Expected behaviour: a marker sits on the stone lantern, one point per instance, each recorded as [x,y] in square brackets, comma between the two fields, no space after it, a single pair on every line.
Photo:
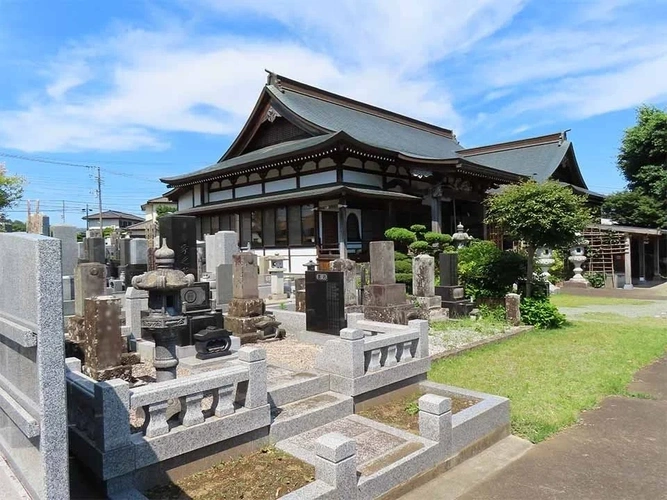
[544,259]
[277,272]
[165,309]
[461,237]
[578,257]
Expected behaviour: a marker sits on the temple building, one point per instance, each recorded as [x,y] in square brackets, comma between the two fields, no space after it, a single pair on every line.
[314,175]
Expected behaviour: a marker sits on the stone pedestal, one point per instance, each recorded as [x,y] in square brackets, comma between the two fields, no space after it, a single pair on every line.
[135,302]
[102,341]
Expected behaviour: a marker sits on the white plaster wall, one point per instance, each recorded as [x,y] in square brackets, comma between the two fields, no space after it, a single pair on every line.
[319,178]
[362,178]
[220,195]
[280,185]
[197,189]
[251,190]
[185,200]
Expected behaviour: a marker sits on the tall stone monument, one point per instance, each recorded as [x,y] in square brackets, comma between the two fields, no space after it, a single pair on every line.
[246,309]
[89,281]
[423,282]
[103,344]
[347,267]
[384,299]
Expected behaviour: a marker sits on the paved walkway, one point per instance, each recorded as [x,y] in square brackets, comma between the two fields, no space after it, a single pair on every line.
[617,451]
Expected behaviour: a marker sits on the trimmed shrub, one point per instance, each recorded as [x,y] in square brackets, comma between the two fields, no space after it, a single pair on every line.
[406,279]
[401,256]
[418,228]
[595,279]
[437,238]
[400,235]
[541,314]
[403,266]
[419,247]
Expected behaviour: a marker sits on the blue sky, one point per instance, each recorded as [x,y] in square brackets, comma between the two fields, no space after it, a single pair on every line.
[153,88]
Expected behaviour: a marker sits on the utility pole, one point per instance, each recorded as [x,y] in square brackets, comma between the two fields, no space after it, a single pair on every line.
[99,198]
[63,217]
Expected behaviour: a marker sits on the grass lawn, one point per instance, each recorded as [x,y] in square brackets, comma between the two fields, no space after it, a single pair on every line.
[550,376]
[564,300]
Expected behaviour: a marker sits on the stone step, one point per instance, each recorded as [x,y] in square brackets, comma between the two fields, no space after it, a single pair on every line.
[306,414]
[289,387]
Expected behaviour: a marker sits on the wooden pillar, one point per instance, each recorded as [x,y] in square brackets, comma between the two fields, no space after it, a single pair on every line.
[656,258]
[342,229]
[642,260]
[436,215]
[628,263]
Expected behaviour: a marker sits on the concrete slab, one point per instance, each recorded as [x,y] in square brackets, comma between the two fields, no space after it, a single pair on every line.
[10,487]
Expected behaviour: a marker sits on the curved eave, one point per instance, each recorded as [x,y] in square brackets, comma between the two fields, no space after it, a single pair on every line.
[478,170]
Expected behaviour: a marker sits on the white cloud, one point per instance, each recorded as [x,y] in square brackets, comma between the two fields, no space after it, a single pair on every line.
[124,90]
[456,64]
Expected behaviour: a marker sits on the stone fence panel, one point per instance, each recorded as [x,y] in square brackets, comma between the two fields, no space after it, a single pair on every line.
[33,412]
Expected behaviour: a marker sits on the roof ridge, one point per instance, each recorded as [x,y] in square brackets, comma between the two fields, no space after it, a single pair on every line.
[283,83]
[560,137]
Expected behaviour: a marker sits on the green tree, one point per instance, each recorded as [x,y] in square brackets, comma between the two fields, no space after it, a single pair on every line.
[162,210]
[644,145]
[643,161]
[634,208]
[18,226]
[540,214]
[11,189]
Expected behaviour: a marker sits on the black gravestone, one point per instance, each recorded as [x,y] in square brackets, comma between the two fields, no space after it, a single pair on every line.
[325,302]
[196,298]
[132,270]
[181,234]
[449,273]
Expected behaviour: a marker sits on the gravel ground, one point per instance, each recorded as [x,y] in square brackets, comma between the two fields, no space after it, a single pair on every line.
[290,352]
[656,308]
[440,341]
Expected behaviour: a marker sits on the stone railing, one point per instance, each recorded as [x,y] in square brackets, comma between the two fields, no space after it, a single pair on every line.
[369,355]
[212,407]
[154,398]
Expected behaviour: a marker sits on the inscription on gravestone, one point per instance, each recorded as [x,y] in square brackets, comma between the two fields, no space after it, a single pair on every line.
[325,302]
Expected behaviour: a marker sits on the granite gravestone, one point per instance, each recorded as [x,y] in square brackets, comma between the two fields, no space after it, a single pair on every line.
[180,232]
[325,301]
[33,413]
[384,299]
[67,236]
[89,281]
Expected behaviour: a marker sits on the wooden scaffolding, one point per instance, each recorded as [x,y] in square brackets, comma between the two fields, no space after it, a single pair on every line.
[604,246]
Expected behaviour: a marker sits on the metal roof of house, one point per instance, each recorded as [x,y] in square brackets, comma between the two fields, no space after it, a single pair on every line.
[114,214]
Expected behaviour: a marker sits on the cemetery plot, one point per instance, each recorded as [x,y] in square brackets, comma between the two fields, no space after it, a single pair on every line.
[268,473]
[403,412]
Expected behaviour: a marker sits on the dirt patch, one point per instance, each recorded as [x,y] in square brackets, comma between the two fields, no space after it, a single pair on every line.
[262,475]
[403,413]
